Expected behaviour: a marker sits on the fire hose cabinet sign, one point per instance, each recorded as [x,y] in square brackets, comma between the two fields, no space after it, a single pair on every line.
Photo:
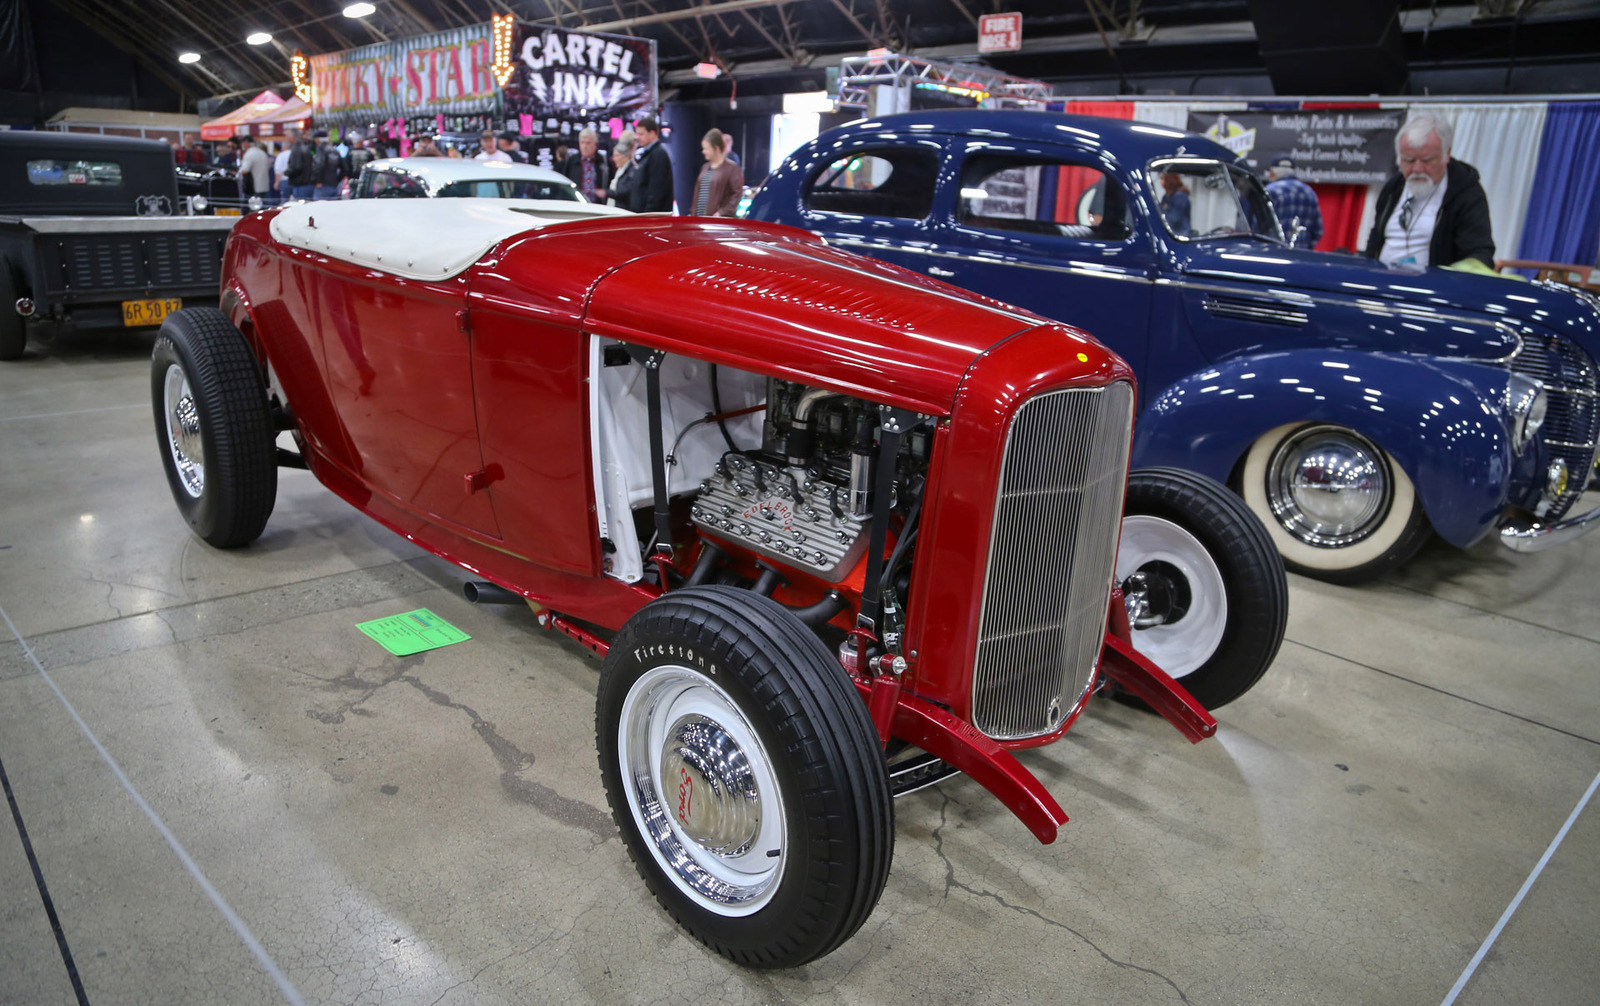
[1000,32]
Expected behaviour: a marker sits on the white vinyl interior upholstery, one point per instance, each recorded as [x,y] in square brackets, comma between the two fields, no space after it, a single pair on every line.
[425,239]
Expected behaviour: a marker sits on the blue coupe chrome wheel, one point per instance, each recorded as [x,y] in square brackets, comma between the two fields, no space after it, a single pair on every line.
[1336,504]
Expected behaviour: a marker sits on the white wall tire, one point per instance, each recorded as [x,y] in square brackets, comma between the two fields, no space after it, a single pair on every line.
[1349,544]
[744,775]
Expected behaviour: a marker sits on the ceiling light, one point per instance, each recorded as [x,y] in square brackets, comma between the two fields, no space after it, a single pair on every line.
[259,38]
[189,57]
[359,10]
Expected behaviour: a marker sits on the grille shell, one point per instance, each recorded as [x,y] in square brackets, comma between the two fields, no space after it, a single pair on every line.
[1043,613]
[1571,429]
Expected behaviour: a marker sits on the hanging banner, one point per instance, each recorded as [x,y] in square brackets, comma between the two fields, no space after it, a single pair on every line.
[1352,147]
[448,72]
[566,81]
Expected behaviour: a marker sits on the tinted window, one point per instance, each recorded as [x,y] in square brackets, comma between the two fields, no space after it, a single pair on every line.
[53,172]
[891,182]
[506,188]
[1043,197]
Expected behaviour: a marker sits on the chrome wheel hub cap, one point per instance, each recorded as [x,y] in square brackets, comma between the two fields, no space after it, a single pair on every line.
[183,431]
[702,790]
[1328,486]
[717,802]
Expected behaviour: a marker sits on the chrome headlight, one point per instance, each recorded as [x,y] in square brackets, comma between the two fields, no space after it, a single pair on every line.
[199,203]
[1526,403]
[254,202]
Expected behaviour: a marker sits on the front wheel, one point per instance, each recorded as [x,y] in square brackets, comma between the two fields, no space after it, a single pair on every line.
[745,776]
[1337,505]
[214,427]
[1205,589]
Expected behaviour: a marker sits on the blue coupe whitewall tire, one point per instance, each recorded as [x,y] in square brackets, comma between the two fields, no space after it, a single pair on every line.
[1337,506]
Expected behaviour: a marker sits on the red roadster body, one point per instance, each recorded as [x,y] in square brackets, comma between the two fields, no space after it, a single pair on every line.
[763,476]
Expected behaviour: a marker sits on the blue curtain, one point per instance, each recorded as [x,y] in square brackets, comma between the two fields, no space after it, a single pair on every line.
[1563,222]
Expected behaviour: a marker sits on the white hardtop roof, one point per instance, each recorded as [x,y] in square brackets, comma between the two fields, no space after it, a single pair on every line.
[426,239]
[437,172]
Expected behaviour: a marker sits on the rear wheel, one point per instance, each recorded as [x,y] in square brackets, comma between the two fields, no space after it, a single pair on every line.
[1337,505]
[214,427]
[745,776]
[1205,589]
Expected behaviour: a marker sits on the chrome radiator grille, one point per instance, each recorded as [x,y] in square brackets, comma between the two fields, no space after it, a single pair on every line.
[1571,429]
[1051,556]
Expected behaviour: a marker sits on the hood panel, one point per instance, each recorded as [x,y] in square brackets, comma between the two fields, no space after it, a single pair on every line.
[1441,295]
[800,310]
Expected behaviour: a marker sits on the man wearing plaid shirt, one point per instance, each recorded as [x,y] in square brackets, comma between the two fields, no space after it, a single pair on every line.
[1295,204]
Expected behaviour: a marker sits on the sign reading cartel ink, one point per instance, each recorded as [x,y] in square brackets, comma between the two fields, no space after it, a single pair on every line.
[1347,146]
[581,76]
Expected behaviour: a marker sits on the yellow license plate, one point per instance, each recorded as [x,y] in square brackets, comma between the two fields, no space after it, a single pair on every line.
[228,212]
[148,312]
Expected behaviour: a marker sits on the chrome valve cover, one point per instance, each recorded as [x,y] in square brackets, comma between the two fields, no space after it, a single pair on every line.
[791,515]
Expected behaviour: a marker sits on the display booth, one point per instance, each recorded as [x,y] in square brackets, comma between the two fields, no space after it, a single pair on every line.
[232,124]
[1534,156]
[567,81]
[443,83]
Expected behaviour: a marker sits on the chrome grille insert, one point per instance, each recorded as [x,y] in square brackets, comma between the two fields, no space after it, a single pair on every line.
[1051,555]
[1571,429]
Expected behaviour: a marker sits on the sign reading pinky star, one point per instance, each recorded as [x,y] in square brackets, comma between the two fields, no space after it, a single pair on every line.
[412,632]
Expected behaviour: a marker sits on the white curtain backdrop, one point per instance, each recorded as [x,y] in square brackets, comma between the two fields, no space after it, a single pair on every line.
[1502,142]
[1174,114]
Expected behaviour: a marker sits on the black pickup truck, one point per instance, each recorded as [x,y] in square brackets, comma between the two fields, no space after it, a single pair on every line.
[92,234]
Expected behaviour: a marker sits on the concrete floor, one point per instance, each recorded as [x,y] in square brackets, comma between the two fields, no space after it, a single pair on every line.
[432,829]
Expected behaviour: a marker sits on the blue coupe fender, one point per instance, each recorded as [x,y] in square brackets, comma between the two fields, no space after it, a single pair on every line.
[1442,421]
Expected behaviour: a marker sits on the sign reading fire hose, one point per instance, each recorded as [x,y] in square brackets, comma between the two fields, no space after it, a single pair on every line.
[1000,32]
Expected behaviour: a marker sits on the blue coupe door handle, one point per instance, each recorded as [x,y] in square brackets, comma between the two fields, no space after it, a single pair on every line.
[934,270]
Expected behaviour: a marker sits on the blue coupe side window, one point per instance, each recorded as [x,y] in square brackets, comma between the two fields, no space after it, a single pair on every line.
[887,182]
[1047,198]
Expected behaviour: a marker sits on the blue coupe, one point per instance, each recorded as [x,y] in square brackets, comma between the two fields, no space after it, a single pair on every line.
[1355,407]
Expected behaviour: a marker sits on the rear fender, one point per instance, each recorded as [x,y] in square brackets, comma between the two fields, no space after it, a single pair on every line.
[1443,422]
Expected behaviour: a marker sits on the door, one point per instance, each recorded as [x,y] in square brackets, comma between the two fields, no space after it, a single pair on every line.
[399,371]
[1053,233]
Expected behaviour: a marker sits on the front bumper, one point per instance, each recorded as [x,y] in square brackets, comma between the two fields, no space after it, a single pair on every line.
[1525,534]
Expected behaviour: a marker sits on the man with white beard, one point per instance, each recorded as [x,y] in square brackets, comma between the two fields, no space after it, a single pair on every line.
[1433,211]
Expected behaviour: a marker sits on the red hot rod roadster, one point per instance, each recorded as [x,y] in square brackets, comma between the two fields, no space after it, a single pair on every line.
[839,530]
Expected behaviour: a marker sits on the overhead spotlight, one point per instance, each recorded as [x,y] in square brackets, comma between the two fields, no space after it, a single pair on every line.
[359,10]
[259,38]
[189,57]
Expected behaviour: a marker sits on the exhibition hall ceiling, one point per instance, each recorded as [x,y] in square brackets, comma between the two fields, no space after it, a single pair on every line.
[1124,42]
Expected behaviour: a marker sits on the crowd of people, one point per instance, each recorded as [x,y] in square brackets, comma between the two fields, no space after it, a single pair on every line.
[635,175]
[1432,211]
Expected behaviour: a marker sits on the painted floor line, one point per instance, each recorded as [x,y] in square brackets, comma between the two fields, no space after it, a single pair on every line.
[73,412]
[1511,909]
[243,931]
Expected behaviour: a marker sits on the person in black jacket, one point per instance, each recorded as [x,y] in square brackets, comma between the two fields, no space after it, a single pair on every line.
[1433,211]
[298,170]
[327,169]
[652,193]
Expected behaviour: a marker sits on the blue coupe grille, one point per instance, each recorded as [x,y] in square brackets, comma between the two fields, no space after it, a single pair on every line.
[1571,428]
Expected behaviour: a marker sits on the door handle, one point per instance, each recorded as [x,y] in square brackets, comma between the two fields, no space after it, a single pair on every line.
[941,273]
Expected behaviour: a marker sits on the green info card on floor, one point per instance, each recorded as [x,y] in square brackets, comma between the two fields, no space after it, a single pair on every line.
[412,632]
